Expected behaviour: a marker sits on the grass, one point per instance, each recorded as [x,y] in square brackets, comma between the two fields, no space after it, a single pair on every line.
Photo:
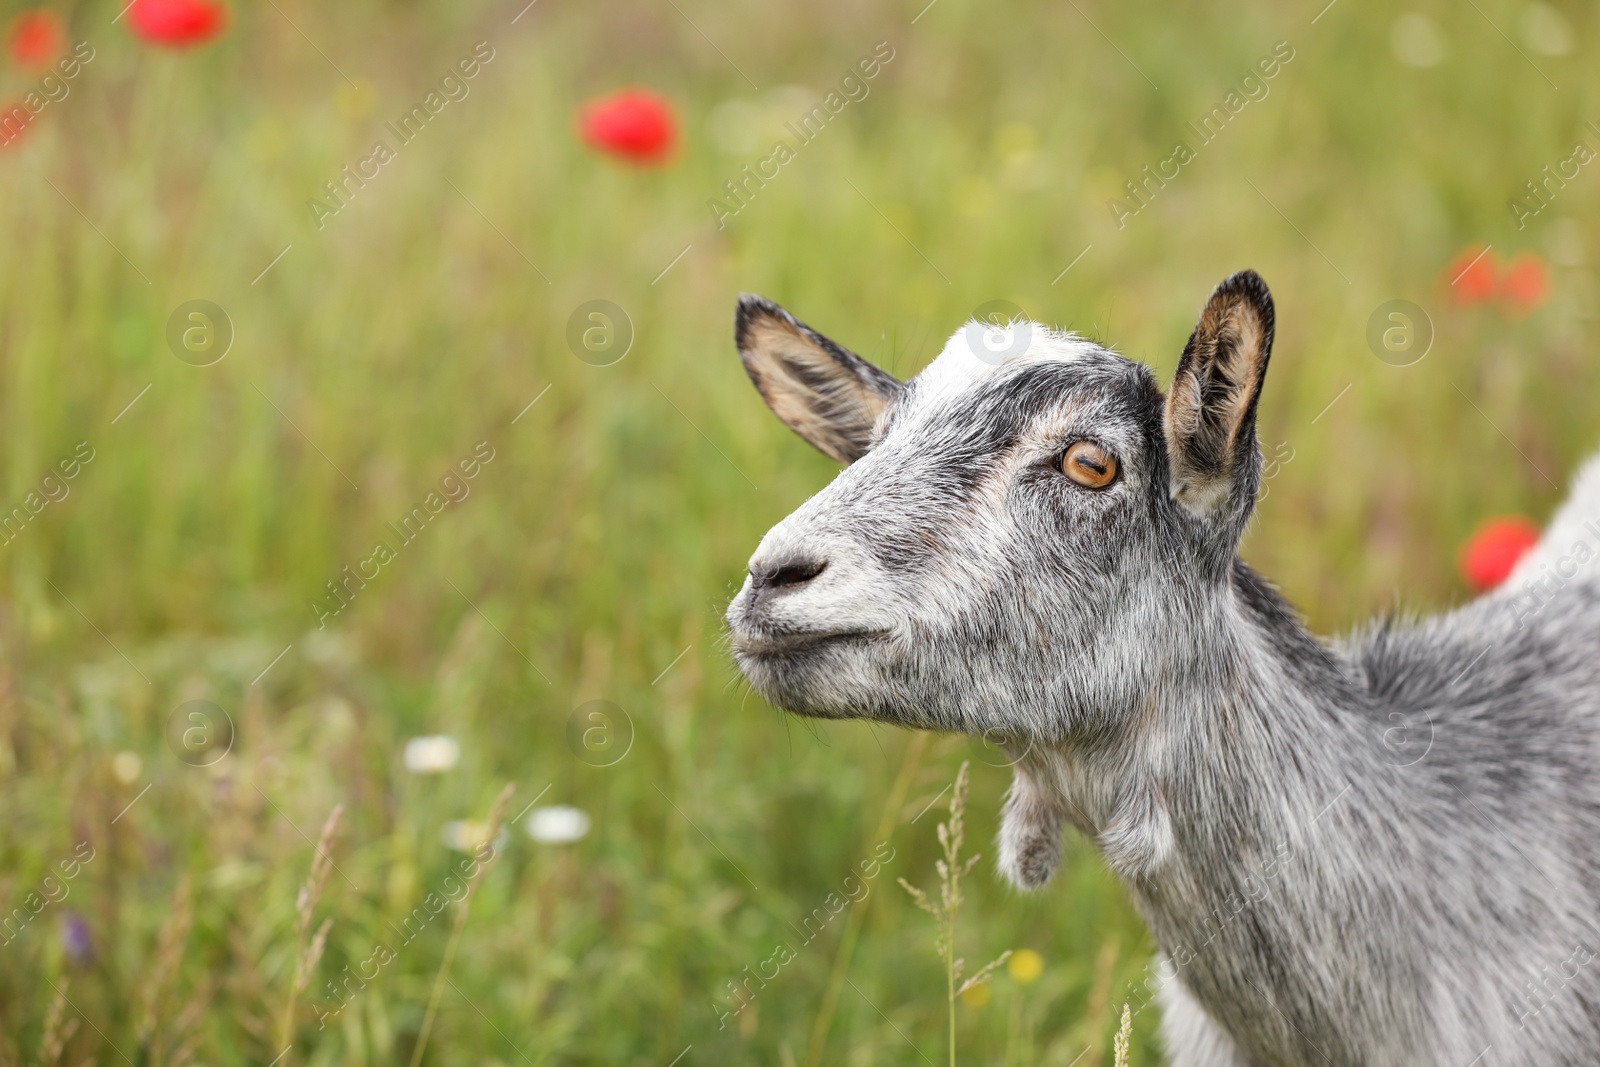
[593,553]
[953,869]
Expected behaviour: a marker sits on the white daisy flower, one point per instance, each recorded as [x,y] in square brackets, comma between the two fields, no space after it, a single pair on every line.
[432,755]
[559,824]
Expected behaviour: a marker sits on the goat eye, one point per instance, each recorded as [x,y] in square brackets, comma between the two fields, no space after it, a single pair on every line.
[1089,465]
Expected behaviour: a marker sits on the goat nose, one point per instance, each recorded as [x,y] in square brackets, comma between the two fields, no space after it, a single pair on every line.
[766,577]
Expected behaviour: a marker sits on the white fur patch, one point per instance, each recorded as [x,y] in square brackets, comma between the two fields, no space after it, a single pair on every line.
[980,349]
[1571,539]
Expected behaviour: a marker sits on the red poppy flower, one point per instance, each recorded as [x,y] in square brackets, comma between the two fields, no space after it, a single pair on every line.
[178,23]
[633,124]
[37,38]
[1526,283]
[1470,276]
[1493,550]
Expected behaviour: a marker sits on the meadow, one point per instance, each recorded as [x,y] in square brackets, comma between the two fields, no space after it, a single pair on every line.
[182,707]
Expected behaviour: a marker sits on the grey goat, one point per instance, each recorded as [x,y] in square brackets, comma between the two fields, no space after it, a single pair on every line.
[1381,851]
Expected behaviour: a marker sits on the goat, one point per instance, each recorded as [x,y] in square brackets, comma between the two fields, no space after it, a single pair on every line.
[1379,851]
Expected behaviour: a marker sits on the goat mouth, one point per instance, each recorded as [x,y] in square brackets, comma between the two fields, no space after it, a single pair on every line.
[778,644]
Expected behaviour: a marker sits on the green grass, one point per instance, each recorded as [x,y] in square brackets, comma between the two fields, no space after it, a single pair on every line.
[612,525]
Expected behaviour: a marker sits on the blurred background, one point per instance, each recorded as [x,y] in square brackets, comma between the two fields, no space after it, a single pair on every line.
[375,439]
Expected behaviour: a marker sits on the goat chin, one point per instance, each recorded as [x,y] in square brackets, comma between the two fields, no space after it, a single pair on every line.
[839,674]
[812,681]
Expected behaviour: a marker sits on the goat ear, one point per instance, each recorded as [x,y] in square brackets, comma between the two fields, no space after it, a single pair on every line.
[1211,410]
[822,391]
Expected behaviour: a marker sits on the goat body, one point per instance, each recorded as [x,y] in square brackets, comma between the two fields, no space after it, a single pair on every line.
[1379,852]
